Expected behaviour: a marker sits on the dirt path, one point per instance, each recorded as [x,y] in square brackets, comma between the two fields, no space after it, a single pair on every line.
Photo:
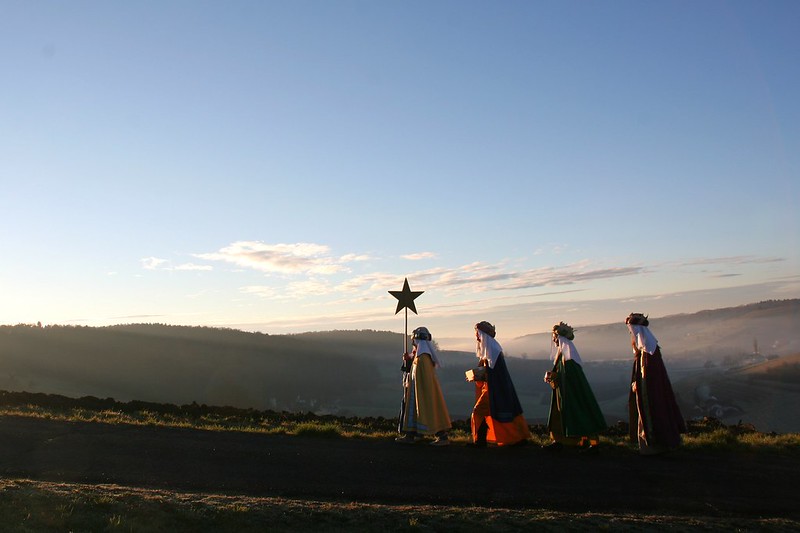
[691,483]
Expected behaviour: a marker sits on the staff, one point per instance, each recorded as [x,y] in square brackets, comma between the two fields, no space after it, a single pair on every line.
[405,300]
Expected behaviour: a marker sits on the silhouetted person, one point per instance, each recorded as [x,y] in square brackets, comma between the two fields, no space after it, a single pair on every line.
[425,410]
[656,422]
[497,414]
[575,417]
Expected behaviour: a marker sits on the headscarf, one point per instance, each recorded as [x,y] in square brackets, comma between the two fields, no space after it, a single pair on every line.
[488,349]
[645,340]
[421,338]
[427,347]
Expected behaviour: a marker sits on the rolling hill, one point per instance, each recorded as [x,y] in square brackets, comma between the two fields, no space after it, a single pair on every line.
[774,326]
[357,372]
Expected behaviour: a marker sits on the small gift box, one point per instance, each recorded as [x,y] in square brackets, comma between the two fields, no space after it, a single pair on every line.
[476,374]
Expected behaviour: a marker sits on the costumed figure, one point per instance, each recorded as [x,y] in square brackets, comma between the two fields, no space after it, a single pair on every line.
[656,422]
[425,411]
[497,414]
[575,418]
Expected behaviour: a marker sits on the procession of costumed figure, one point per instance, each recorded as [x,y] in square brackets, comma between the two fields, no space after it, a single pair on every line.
[425,412]
[575,418]
[497,414]
[656,422]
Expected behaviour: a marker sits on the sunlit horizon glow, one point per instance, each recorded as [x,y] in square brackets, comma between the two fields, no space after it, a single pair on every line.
[278,167]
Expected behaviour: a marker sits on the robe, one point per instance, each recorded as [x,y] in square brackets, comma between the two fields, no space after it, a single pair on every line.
[655,420]
[574,411]
[497,404]
[426,411]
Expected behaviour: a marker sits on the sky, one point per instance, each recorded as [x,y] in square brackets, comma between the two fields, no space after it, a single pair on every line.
[280,166]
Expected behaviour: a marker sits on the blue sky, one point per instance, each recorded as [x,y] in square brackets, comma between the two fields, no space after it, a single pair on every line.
[280,166]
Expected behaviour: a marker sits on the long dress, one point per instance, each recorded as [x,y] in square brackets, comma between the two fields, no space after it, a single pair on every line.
[426,411]
[574,411]
[497,405]
[655,420]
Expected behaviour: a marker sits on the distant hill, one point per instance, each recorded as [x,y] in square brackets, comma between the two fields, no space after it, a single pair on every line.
[358,372]
[159,363]
[770,327]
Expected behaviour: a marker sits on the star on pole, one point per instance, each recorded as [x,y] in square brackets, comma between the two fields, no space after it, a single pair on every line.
[405,298]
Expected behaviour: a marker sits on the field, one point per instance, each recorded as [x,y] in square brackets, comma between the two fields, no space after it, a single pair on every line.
[98,465]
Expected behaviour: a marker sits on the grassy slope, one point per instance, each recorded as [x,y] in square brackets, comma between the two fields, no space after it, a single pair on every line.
[28,505]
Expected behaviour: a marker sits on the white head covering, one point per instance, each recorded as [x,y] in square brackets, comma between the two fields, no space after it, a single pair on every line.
[645,340]
[424,346]
[568,350]
[488,348]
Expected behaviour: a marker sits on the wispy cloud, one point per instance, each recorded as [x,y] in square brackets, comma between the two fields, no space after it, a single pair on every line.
[419,256]
[480,277]
[730,260]
[352,258]
[156,263]
[152,263]
[474,278]
[316,266]
[298,258]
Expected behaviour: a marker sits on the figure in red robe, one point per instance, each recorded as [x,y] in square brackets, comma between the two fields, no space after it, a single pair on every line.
[656,422]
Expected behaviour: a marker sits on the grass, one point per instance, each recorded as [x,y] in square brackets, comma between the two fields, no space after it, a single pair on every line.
[707,434]
[34,506]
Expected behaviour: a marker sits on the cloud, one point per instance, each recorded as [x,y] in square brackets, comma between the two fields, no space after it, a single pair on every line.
[481,277]
[731,260]
[485,281]
[352,258]
[152,263]
[298,258]
[371,282]
[419,256]
[474,278]
[155,263]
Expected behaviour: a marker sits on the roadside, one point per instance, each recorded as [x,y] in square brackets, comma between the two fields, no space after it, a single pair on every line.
[687,483]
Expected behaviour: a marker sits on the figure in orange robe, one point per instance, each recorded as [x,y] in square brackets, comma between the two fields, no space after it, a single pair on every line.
[497,414]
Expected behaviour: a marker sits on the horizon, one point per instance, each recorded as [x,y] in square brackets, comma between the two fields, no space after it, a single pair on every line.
[278,168]
[446,344]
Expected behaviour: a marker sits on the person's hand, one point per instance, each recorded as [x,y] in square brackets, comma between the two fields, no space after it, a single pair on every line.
[633,387]
[408,356]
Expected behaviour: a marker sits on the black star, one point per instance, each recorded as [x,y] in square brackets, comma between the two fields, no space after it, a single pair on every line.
[405,298]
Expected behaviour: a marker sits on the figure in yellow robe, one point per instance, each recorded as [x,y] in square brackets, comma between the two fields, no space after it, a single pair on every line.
[425,411]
